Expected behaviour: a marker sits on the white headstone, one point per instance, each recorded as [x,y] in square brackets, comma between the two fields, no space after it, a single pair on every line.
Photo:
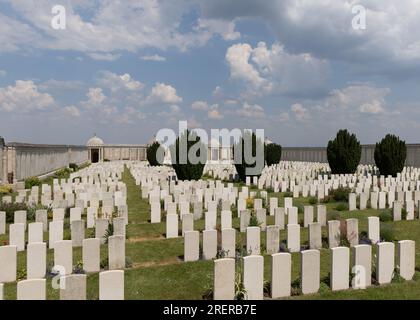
[36,260]
[308,215]
[116,252]
[281,275]
[253,277]
[224,279]
[111,285]
[35,232]
[17,236]
[55,232]
[310,271]
[273,239]
[77,232]
[2,222]
[8,265]
[352,231]
[385,262]
[253,240]
[407,259]
[315,236]
[293,237]
[361,266]
[334,235]
[322,215]
[191,246]
[340,261]
[373,229]
[209,244]
[171,226]
[229,242]
[91,254]
[33,289]
[279,218]
[74,287]
[63,255]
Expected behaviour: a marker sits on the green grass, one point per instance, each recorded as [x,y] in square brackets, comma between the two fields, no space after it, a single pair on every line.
[158,271]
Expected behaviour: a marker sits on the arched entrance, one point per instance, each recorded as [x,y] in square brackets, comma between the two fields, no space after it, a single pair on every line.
[94,155]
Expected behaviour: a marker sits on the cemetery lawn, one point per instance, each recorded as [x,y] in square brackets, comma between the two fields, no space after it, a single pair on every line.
[156,269]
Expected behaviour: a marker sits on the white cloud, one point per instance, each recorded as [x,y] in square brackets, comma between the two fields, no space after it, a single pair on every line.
[200,105]
[324,28]
[251,111]
[116,82]
[95,98]
[272,70]
[225,28]
[24,96]
[108,27]
[214,112]
[155,57]
[163,93]
[375,107]
[283,117]
[72,111]
[362,97]
[238,57]
[3,73]
[301,113]
[58,85]
[104,56]
[130,115]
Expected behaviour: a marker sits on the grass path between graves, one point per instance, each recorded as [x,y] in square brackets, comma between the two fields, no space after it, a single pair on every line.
[158,271]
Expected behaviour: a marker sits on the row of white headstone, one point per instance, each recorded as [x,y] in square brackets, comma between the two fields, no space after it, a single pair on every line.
[281,265]
[36,257]
[253,238]
[35,230]
[72,287]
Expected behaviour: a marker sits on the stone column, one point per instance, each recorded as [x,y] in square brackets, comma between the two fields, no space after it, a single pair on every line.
[5,165]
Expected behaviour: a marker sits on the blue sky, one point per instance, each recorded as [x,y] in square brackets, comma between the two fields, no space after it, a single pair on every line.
[125,69]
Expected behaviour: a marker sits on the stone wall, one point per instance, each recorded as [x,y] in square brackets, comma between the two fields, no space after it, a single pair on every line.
[319,154]
[27,160]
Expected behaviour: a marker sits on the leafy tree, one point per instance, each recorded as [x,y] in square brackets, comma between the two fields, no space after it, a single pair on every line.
[189,156]
[249,145]
[344,153]
[272,153]
[390,155]
[151,154]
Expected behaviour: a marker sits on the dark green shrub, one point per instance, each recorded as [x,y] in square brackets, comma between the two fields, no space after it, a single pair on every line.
[32,182]
[387,233]
[333,215]
[404,214]
[390,155]
[188,170]
[74,167]
[288,194]
[10,209]
[313,200]
[252,145]
[62,173]
[253,221]
[151,154]
[344,153]
[272,154]
[326,199]
[109,232]
[340,194]
[342,207]
[385,216]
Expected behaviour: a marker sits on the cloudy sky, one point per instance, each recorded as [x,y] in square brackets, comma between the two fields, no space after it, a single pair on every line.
[125,69]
